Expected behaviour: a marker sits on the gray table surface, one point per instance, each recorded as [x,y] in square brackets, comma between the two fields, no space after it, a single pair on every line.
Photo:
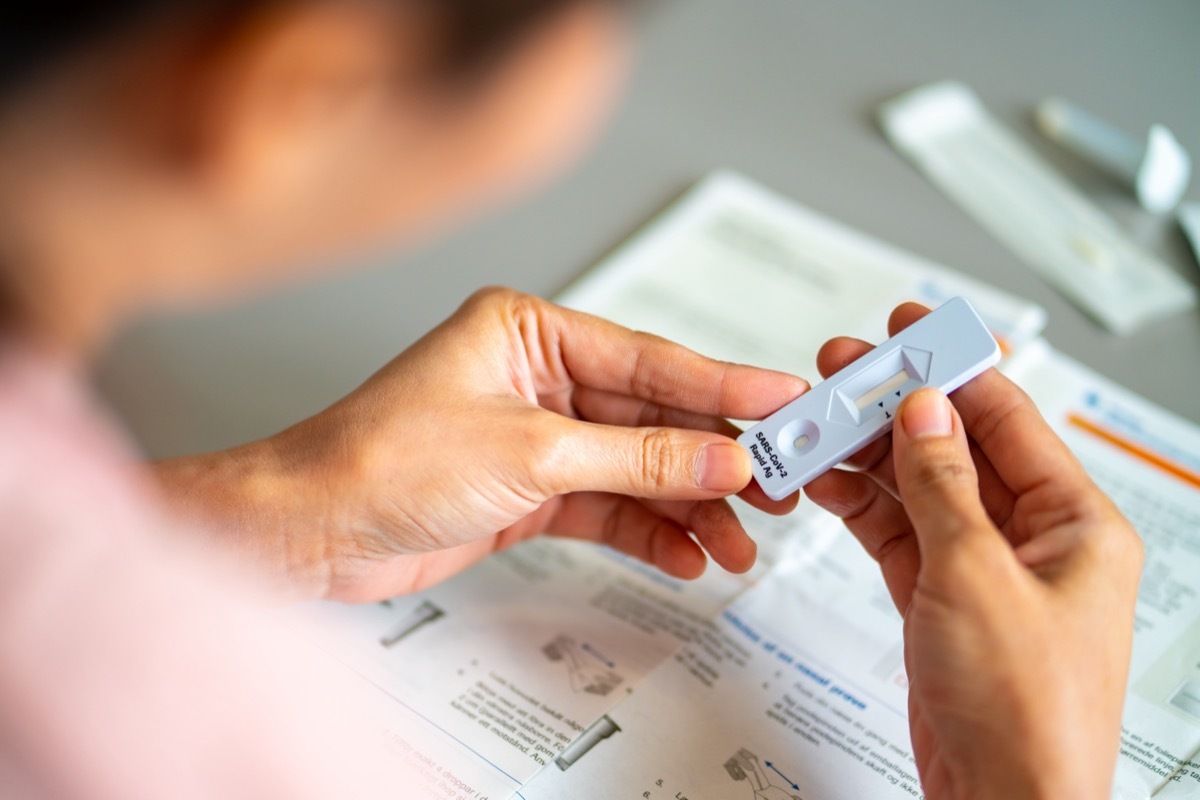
[783,90]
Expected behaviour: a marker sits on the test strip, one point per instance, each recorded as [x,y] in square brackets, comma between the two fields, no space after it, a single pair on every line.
[1007,188]
[841,415]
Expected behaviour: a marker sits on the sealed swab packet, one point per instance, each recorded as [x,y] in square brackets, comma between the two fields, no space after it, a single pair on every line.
[1156,167]
[945,130]
[1189,220]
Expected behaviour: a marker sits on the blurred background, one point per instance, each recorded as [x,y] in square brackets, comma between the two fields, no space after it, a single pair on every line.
[782,90]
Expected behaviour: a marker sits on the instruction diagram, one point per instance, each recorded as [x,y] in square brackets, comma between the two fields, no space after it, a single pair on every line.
[420,616]
[600,730]
[588,670]
[745,766]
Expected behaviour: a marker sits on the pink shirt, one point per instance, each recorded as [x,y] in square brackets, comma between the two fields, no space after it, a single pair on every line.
[132,665]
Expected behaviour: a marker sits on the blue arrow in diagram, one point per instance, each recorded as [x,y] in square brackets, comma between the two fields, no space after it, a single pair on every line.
[772,767]
[593,652]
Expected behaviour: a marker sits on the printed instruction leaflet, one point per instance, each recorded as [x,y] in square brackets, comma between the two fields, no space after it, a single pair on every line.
[561,669]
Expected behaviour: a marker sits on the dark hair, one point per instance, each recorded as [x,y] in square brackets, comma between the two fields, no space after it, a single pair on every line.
[35,34]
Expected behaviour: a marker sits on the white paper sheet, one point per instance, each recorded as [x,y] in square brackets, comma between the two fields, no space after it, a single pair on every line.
[491,674]
[737,272]
[796,691]
[799,687]
[1148,461]
[562,670]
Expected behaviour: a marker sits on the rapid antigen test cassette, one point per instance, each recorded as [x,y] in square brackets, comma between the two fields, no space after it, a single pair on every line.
[838,417]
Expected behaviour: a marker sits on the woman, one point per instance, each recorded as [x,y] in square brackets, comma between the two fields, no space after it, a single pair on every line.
[154,158]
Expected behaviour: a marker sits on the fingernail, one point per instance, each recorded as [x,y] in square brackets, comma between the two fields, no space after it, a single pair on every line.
[723,467]
[926,413]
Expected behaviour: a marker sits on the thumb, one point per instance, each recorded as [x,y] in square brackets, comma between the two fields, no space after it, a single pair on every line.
[652,463]
[935,475]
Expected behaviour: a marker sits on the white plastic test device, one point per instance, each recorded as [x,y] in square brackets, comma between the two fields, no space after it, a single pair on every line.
[839,416]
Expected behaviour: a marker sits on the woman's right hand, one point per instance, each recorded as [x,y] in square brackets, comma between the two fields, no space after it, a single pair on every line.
[513,418]
[1017,579]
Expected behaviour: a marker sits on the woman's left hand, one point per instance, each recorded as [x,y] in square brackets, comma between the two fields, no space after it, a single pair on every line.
[513,418]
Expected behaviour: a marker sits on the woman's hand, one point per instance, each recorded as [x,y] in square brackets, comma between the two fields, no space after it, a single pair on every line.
[513,418]
[1016,577]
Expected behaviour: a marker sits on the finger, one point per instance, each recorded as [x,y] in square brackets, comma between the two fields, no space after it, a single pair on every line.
[656,463]
[876,458]
[998,500]
[754,495]
[1008,427]
[876,462]
[630,527]
[1006,424]
[839,353]
[604,355]
[717,528]
[936,475]
[904,315]
[595,405]
[878,521]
